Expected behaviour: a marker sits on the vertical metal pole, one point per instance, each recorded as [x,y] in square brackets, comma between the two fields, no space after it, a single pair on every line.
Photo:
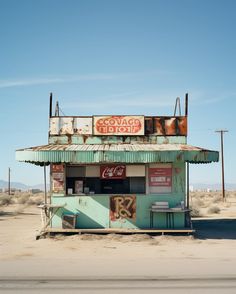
[45,184]
[187,204]
[177,104]
[57,109]
[9,181]
[222,165]
[186,104]
[50,106]
[187,167]
[222,161]
[147,178]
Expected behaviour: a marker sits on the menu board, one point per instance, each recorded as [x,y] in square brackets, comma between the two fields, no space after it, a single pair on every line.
[160,179]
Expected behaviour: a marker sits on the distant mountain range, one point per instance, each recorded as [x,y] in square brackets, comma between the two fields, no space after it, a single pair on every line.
[17,185]
[196,186]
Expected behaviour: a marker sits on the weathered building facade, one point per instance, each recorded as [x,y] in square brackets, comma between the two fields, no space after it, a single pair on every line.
[117,173]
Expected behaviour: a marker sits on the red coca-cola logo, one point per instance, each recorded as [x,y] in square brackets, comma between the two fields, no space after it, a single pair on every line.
[113,172]
[118,125]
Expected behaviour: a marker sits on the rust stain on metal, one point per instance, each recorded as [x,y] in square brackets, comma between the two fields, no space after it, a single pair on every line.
[170,126]
[149,125]
[69,137]
[85,138]
[159,126]
[179,157]
[122,207]
[57,168]
[183,125]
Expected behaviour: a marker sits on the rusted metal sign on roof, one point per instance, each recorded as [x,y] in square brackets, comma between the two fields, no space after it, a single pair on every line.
[61,126]
[83,125]
[71,125]
[119,125]
[170,126]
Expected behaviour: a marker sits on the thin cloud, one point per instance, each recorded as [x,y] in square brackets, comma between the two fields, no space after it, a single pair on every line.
[42,81]
[75,78]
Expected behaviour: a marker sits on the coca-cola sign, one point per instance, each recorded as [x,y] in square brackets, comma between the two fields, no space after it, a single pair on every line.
[112,171]
[119,125]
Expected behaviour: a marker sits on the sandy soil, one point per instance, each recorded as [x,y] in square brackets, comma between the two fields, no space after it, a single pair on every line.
[210,252]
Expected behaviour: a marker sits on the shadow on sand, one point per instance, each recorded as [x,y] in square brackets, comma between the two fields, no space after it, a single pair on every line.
[215,228]
[15,213]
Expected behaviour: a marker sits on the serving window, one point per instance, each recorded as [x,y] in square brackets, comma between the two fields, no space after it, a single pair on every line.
[105,179]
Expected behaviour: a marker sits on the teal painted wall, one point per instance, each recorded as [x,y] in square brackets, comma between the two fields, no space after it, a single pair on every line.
[94,211]
[79,139]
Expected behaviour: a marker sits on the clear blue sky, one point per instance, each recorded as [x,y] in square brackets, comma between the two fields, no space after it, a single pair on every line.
[123,56]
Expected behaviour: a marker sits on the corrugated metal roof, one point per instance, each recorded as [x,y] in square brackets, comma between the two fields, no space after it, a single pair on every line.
[114,147]
[127,153]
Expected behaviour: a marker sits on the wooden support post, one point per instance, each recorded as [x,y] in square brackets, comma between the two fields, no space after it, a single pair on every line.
[45,184]
[187,171]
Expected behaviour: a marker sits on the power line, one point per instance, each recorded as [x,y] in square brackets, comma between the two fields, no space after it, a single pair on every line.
[62,111]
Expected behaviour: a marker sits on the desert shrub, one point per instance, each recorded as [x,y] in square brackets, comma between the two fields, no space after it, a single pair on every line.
[5,200]
[197,196]
[203,195]
[23,199]
[35,200]
[198,203]
[195,211]
[217,198]
[213,209]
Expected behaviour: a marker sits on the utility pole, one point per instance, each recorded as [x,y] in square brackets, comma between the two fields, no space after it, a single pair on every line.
[9,181]
[222,160]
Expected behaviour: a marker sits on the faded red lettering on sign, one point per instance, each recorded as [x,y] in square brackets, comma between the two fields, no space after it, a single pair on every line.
[112,171]
[161,177]
[119,125]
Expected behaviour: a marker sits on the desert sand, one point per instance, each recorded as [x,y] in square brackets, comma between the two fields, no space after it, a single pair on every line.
[209,252]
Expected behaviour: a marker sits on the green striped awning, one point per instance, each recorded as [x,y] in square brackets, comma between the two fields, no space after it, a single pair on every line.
[116,153]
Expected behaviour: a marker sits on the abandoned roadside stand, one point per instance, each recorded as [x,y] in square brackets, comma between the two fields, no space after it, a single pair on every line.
[123,173]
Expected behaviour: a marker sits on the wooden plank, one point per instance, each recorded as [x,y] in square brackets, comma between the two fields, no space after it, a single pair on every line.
[117,231]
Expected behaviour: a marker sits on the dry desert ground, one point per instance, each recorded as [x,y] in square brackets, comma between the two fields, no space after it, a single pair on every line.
[211,251]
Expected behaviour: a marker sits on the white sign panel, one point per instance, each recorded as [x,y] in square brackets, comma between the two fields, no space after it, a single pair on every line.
[61,126]
[66,125]
[83,125]
[54,126]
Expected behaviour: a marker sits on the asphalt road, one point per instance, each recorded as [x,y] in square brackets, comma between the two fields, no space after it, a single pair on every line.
[120,285]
